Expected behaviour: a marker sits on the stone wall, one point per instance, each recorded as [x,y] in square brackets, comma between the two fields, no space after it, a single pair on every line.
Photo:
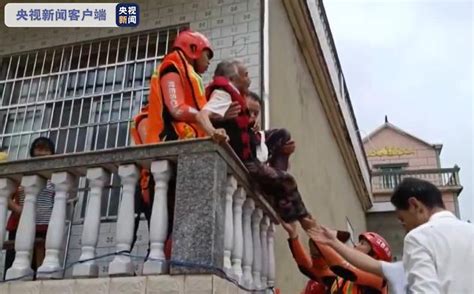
[189,284]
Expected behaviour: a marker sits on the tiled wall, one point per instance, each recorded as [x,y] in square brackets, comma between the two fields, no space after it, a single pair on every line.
[233,27]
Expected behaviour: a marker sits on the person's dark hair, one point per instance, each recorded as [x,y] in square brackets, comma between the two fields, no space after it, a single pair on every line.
[254,96]
[423,191]
[226,68]
[42,142]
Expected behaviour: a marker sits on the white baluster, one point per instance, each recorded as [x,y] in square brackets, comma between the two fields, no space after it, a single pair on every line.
[51,267]
[123,265]
[98,178]
[257,248]
[228,225]
[271,255]
[25,236]
[238,250]
[157,263]
[7,187]
[263,235]
[247,279]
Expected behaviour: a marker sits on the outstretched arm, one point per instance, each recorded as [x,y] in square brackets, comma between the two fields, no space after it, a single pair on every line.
[354,257]
[203,119]
[314,267]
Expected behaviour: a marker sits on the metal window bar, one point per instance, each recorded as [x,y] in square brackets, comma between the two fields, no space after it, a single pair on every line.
[83,96]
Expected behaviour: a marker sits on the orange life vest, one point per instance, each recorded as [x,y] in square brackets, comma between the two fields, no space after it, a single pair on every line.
[149,124]
[157,112]
[347,287]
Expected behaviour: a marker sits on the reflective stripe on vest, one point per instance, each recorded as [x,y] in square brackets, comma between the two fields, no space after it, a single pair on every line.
[193,96]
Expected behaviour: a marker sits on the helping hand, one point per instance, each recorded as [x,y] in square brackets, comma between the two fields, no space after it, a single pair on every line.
[289,147]
[233,111]
[323,235]
[291,228]
[219,136]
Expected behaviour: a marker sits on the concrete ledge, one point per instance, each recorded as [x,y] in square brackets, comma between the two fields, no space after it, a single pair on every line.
[181,284]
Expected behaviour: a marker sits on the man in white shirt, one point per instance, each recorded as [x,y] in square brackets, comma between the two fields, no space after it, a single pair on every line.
[438,253]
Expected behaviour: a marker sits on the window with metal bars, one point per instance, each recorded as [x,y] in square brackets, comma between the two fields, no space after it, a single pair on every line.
[83,96]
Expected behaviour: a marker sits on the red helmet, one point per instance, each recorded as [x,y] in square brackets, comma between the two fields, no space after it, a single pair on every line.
[187,39]
[378,244]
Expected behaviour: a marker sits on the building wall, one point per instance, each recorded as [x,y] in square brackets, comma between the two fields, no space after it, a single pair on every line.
[317,163]
[423,157]
[388,226]
[450,201]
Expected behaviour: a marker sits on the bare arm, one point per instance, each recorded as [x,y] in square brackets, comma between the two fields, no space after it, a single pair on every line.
[13,206]
[354,257]
[203,119]
[358,259]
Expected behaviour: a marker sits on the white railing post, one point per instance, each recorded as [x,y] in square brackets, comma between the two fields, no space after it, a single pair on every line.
[257,248]
[98,177]
[122,264]
[25,236]
[238,250]
[263,235]
[7,187]
[271,255]
[228,224]
[248,209]
[52,267]
[157,263]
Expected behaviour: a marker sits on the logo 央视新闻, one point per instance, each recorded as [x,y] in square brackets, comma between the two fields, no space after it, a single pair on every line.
[127,15]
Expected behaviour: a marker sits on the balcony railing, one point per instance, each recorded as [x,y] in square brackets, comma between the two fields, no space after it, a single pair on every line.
[442,178]
[220,225]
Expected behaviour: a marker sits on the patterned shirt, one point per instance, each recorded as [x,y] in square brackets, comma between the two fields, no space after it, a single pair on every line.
[44,203]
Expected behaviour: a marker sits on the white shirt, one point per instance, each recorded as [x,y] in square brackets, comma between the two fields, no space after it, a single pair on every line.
[394,273]
[219,102]
[262,149]
[438,256]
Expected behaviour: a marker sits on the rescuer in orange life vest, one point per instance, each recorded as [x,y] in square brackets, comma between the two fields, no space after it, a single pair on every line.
[177,93]
[325,266]
[176,96]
